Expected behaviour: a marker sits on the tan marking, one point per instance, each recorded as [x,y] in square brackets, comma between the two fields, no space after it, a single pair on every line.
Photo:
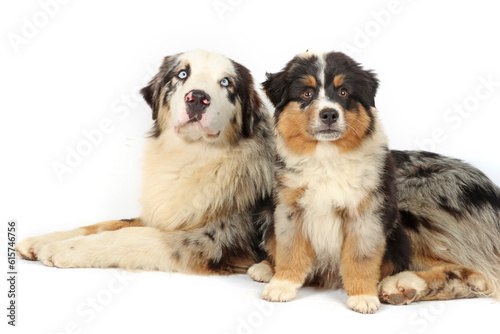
[110,225]
[350,213]
[309,81]
[271,250]
[360,274]
[292,125]
[338,80]
[386,269]
[290,196]
[358,122]
[232,132]
[163,113]
[294,256]
[269,264]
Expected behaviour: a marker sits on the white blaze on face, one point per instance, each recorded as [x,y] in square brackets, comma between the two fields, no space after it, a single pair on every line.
[323,102]
[206,70]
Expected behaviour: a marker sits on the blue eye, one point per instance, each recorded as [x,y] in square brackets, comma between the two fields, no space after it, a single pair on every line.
[182,74]
[224,82]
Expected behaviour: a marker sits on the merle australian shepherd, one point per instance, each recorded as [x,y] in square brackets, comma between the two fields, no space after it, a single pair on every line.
[207,172]
[396,226]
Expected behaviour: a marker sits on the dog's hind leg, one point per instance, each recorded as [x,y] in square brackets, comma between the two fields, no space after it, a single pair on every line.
[29,247]
[441,281]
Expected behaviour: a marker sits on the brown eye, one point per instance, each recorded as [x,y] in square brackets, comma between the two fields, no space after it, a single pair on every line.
[307,94]
[343,93]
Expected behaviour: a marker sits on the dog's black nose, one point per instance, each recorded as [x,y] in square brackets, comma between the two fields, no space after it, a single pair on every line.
[329,116]
[197,102]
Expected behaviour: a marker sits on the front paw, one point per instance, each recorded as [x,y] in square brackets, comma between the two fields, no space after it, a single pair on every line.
[62,254]
[28,248]
[280,291]
[365,304]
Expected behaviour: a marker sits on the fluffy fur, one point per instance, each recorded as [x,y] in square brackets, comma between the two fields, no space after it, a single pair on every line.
[207,177]
[399,226]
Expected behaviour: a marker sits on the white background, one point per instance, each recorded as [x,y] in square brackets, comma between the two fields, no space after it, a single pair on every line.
[85,60]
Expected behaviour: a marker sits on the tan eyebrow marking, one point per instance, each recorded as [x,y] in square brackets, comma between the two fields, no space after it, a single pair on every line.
[309,81]
[338,80]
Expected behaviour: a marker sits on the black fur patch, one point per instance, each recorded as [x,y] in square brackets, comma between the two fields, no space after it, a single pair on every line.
[415,223]
[361,84]
[400,157]
[251,104]
[398,248]
[479,196]
[277,85]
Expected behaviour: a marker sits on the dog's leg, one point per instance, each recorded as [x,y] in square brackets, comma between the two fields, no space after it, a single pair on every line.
[29,247]
[360,268]
[219,248]
[293,259]
[131,248]
[441,281]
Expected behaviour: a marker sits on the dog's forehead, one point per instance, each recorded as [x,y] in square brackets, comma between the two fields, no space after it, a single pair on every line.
[323,60]
[207,62]
[307,63]
[326,66]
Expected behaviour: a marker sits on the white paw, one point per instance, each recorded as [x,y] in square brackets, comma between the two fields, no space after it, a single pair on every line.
[365,304]
[63,254]
[261,272]
[402,288]
[28,248]
[280,291]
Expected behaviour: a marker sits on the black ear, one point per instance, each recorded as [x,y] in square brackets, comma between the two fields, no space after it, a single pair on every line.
[372,83]
[251,104]
[150,94]
[276,88]
[152,91]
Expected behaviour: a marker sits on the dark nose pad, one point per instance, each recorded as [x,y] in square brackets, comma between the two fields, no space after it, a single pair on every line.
[197,102]
[329,116]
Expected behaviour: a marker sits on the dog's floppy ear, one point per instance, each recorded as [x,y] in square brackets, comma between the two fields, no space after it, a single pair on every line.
[371,82]
[151,94]
[276,88]
[251,104]
[152,91]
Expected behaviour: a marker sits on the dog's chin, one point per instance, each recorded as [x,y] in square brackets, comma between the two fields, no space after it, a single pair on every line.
[194,131]
[327,134]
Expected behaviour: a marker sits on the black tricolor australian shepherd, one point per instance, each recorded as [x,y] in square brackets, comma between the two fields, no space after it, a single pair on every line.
[207,174]
[400,225]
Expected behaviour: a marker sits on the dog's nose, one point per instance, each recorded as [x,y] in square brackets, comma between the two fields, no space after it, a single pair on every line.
[197,101]
[329,116]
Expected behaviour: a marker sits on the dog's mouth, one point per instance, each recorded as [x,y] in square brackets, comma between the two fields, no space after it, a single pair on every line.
[194,124]
[327,134]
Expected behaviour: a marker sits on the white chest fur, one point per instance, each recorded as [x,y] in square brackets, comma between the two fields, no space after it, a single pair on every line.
[333,181]
[184,184]
[170,179]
